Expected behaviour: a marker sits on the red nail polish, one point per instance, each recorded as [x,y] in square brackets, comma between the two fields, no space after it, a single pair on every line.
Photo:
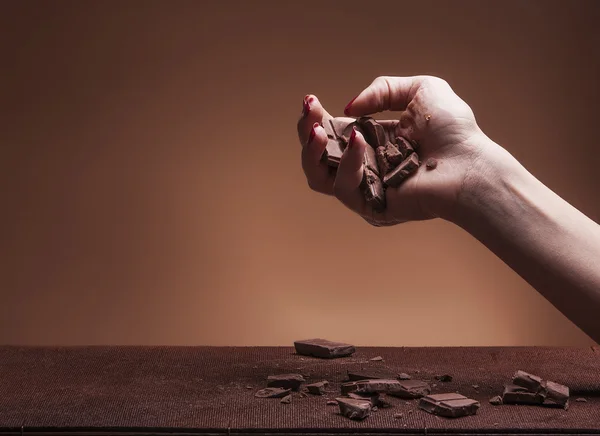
[312,133]
[352,138]
[347,108]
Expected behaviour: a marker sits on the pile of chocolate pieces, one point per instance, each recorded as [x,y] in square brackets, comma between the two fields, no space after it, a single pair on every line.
[364,392]
[389,159]
[530,389]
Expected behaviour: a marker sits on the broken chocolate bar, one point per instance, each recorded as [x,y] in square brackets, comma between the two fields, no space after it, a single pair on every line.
[317,388]
[374,398]
[371,160]
[333,152]
[373,131]
[373,190]
[396,388]
[272,393]
[449,405]
[354,409]
[514,394]
[370,374]
[323,348]
[496,401]
[529,381]
[554,394]
[286,381]
[340,125]
[382,161]
[395,177]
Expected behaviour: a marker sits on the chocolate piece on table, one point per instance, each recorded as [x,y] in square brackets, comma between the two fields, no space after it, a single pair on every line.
[372,189]
[404,376]
[286,381]
[370,374]
[411,389]
[287,399]
[317,388]
[373,131]
[376,359]
[374,398]
[382,161]
[404,146]
[554,394]
[496,401]
[395,177]
[449,405]
[514,394]
[272,393]
[323,348]
[371,160]
[444,378]
[529,381]
[354,409]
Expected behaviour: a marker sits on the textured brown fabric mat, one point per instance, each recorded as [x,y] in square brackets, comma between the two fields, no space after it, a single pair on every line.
[205,388]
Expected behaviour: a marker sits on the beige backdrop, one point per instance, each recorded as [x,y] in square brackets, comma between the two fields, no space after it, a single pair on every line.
[151,188]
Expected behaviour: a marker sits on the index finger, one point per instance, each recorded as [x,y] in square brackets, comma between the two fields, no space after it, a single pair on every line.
[384,93]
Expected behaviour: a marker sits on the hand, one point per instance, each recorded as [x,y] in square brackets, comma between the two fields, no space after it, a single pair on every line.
[433,115]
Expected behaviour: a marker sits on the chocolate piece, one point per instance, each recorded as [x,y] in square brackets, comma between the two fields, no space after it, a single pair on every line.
[475,387]
[339,125]
[393,155]
[376,359]
[317,388]
[326,123]
[398,415]
[444,378]
[402,171]
[323,348]
[287,399]
[431,163]
[554,394]
[404,146]
[372,189]
[496,401]
[347,132]
[404,376]
[332,403]
[354,409]
[581,400]
[371,160]
[374,398]
[286,381]
[403,389]
[382,162]
[272,393]
[370,374]
[449,405]
[514,394]
[529,381]
[333,152]
[373,131]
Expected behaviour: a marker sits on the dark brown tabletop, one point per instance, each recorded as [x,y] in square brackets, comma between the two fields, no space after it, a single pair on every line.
[211,390]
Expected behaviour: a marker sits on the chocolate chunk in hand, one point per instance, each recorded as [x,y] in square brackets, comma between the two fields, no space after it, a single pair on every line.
[404,146]
[286,381]
[341,125]
[373,191]
[382,161]
[323,348]
[373,131]
[395,177]
[449,405]
[393,155]
[354,409]
[371,160]
[333,152]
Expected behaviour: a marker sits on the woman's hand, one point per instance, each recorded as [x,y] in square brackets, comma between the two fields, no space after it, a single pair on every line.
[435,117]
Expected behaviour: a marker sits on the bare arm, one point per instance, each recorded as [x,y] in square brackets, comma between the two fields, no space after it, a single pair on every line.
[548,242]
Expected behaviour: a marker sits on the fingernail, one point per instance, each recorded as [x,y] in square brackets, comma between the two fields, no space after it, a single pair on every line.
[312,133]
[306,106]
[347,108]
[352,138]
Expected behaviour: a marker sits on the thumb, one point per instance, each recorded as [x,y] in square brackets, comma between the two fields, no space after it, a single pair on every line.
[384,93]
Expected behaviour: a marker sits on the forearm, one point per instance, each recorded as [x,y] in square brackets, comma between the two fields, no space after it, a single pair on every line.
[548,242]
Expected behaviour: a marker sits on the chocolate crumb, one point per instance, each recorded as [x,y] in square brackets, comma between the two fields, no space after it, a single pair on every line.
[398,416]
[431,163]
[444,378]
[287,399]
[376,359]
[332,403]
[475,386]
[581,400]
[496,401]
[404,376]
[427,117]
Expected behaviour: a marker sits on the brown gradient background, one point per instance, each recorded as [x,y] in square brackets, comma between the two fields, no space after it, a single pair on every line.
[151,188]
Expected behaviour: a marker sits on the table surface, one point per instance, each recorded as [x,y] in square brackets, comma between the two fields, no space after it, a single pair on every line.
[211,389]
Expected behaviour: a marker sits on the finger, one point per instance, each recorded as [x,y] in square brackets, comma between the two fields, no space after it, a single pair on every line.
[350,173]
[312,112]
[384,93]
[318,174]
